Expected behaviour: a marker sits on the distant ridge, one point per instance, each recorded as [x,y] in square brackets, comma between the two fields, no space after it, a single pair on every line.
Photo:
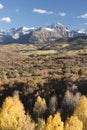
[39,35]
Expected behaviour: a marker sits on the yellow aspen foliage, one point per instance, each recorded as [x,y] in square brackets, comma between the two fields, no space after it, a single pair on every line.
[40,124]
[54,123]
[39,106]
[29,124]
[12,115]
[73,123]
[81,111]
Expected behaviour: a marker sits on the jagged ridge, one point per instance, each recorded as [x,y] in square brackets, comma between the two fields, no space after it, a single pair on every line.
[39,35]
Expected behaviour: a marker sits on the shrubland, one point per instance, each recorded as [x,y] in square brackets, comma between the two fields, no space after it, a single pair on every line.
[43,92]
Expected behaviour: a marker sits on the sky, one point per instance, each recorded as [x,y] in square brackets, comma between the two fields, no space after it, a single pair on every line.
[37,13]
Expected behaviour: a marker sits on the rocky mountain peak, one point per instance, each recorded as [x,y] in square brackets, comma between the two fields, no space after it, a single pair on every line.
[40,35]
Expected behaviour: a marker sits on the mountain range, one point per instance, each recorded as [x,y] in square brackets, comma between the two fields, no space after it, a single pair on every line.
[39,35]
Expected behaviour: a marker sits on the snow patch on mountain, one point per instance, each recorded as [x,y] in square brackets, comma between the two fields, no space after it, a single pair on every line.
[49,29]
[82,31]
[16,36]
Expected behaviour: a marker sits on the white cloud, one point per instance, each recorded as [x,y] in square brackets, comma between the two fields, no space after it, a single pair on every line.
[40,11]
[6,19]
[62,14]
[1,6]
[82,16]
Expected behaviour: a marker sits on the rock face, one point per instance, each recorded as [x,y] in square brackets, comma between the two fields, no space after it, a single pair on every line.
[44,35]
[61,29]
[39,35]
[6,39]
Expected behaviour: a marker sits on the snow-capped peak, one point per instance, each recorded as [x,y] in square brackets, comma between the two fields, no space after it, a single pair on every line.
[59,27]
[24,28]
[57,24]
[81,30]
[21,31]
[49,29]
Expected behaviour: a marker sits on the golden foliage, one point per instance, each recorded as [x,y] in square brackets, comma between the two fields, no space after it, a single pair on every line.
[54,123]
[73,123]
[81,111]
[12,115]
[29,124]
[39,107]
[40,124]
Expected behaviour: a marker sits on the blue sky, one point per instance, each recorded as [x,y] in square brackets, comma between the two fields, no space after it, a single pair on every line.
[36,13]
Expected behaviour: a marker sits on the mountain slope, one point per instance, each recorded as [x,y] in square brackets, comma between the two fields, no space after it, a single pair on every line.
[32,35]
[44,35]
[55,32]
